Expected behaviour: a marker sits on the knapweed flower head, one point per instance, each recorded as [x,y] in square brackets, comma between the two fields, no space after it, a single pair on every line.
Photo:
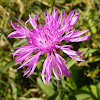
[46,39]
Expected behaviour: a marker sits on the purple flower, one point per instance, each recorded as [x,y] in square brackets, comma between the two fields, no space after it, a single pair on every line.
[46,39]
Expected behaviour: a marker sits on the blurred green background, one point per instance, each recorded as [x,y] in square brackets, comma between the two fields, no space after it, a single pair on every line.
[84,83]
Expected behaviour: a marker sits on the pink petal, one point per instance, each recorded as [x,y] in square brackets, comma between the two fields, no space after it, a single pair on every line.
[27,70]
[69,17]
[64,19]
[54,67]
[33,59]
[60,18]
[62,65]
[17,34]
[33,67]
[15,26]
[70,52]
[55,14]
[84,38]
[76,58]
[75,18]
[68,46]
[48,72]
[44,67]
[22,57]
[78,33]
[59,69]
[20,22]
[33,22]
[58,56]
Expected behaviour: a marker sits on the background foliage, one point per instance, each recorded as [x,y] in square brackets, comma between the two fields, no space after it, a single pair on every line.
[84,83]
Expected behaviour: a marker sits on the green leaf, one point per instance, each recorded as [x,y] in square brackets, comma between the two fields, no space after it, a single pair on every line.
[84,50]
[91,51]
[12,77]
[98,90]
[19,43]
[74,71]
[91,90]
[92,26]
[82,96]
[44,87]
[75,2]
[59,2]
[8,65]
[52,2]
[93,59]
[53,97]
[3,82]
[71,63]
